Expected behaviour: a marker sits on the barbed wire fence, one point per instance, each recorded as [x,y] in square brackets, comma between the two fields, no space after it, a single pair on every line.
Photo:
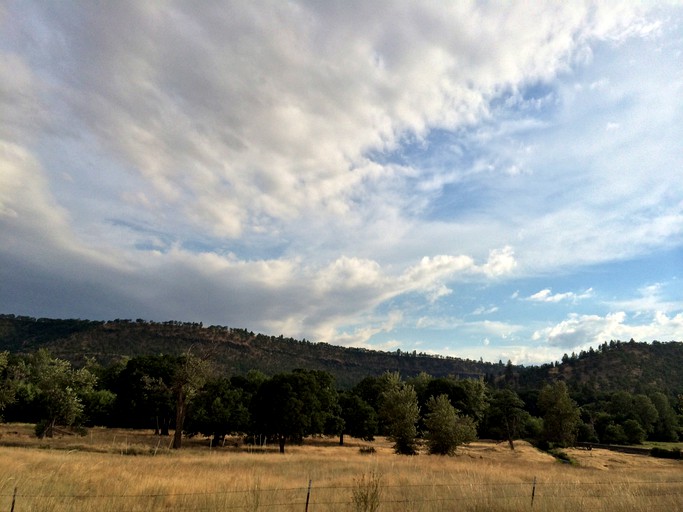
[524,495]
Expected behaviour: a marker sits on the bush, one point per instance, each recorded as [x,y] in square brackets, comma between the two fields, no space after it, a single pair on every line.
[663,453]
[561,456]
[446,430]
[367,492]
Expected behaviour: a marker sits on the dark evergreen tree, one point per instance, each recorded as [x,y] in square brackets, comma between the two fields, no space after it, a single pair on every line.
[445,428]
[400,412]
[219,409]
[360,419]
[290,406]
[508,414]
[560,414]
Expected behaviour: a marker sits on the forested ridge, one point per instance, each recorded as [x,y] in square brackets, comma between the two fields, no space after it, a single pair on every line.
[233,350]
[612,366]
[216,381]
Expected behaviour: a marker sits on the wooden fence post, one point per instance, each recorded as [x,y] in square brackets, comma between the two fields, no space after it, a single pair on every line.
[14,499]
[308,494]
[533,493]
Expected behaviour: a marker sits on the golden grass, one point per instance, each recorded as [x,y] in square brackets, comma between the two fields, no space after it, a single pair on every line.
[117,470]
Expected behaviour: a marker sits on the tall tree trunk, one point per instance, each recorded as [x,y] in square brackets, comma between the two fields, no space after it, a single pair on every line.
[341,439]
[509,430]
[165,421]
[179,421]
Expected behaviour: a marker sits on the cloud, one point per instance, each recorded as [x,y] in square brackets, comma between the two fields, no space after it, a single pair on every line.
[301,167]
[485,310]
[546,295]
[244,118]
[581,331]
[651,300]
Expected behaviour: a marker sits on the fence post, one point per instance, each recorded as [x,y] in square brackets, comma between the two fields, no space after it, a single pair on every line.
[14,499]
[533,493]
[308,494]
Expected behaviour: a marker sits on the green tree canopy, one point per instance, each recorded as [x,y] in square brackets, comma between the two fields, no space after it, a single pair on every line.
[290,406]
[57,389]
[560,414]
[507,414]
[666,426]
[360,419]
[400,412]
[7,382]
[218,409]
[190,375]
[445,429]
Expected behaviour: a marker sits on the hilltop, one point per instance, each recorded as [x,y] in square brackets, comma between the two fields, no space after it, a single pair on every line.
[232,350]
[612,366]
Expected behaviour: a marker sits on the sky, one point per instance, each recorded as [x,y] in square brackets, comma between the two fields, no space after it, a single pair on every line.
[496,180]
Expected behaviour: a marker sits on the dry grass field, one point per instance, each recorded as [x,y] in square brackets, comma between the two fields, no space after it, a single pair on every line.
[111,470]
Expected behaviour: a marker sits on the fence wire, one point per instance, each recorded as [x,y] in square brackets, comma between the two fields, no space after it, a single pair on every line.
[330,496]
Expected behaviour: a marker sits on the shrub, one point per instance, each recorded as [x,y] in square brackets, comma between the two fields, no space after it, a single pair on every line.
[663,453]
[561,456]
[367,492]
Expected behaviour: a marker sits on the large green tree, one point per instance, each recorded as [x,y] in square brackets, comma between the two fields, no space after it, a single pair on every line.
[400,412]
[666,426]
[7,382]
[218,409]
[291,406]
[188,379]
[360,419]
[445,428]
[507,414]
[144,392]
[561,415]
[57,389]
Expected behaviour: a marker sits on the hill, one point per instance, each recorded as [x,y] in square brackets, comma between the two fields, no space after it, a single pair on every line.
[232,351]
[631,366]
[614,366]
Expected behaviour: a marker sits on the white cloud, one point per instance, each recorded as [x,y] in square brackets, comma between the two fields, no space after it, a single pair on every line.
[651,300]
[546,295]
[244,117]
[581,331]
[485,310]
[254,165]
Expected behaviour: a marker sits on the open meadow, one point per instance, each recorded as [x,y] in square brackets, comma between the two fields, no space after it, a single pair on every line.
[110,469]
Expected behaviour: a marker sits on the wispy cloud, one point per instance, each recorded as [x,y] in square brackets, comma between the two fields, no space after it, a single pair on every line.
[336,171]
[581,331]
[546,295]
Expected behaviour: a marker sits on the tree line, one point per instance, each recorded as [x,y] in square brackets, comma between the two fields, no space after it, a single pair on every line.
[181,396]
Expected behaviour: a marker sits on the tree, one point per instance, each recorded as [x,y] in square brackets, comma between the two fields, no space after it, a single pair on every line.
[360,419]
[634,432]
[471,398]
[507,410]
[666,426]
[446,430]
[561,414]
[7,383]
[400,412]
[189,377]
[218,409]
[58,390]
[645,412]
[291,406]
[144,394]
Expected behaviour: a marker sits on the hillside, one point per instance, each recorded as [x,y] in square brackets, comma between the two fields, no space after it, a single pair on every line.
[630,366]
[233,351]
[613,366]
